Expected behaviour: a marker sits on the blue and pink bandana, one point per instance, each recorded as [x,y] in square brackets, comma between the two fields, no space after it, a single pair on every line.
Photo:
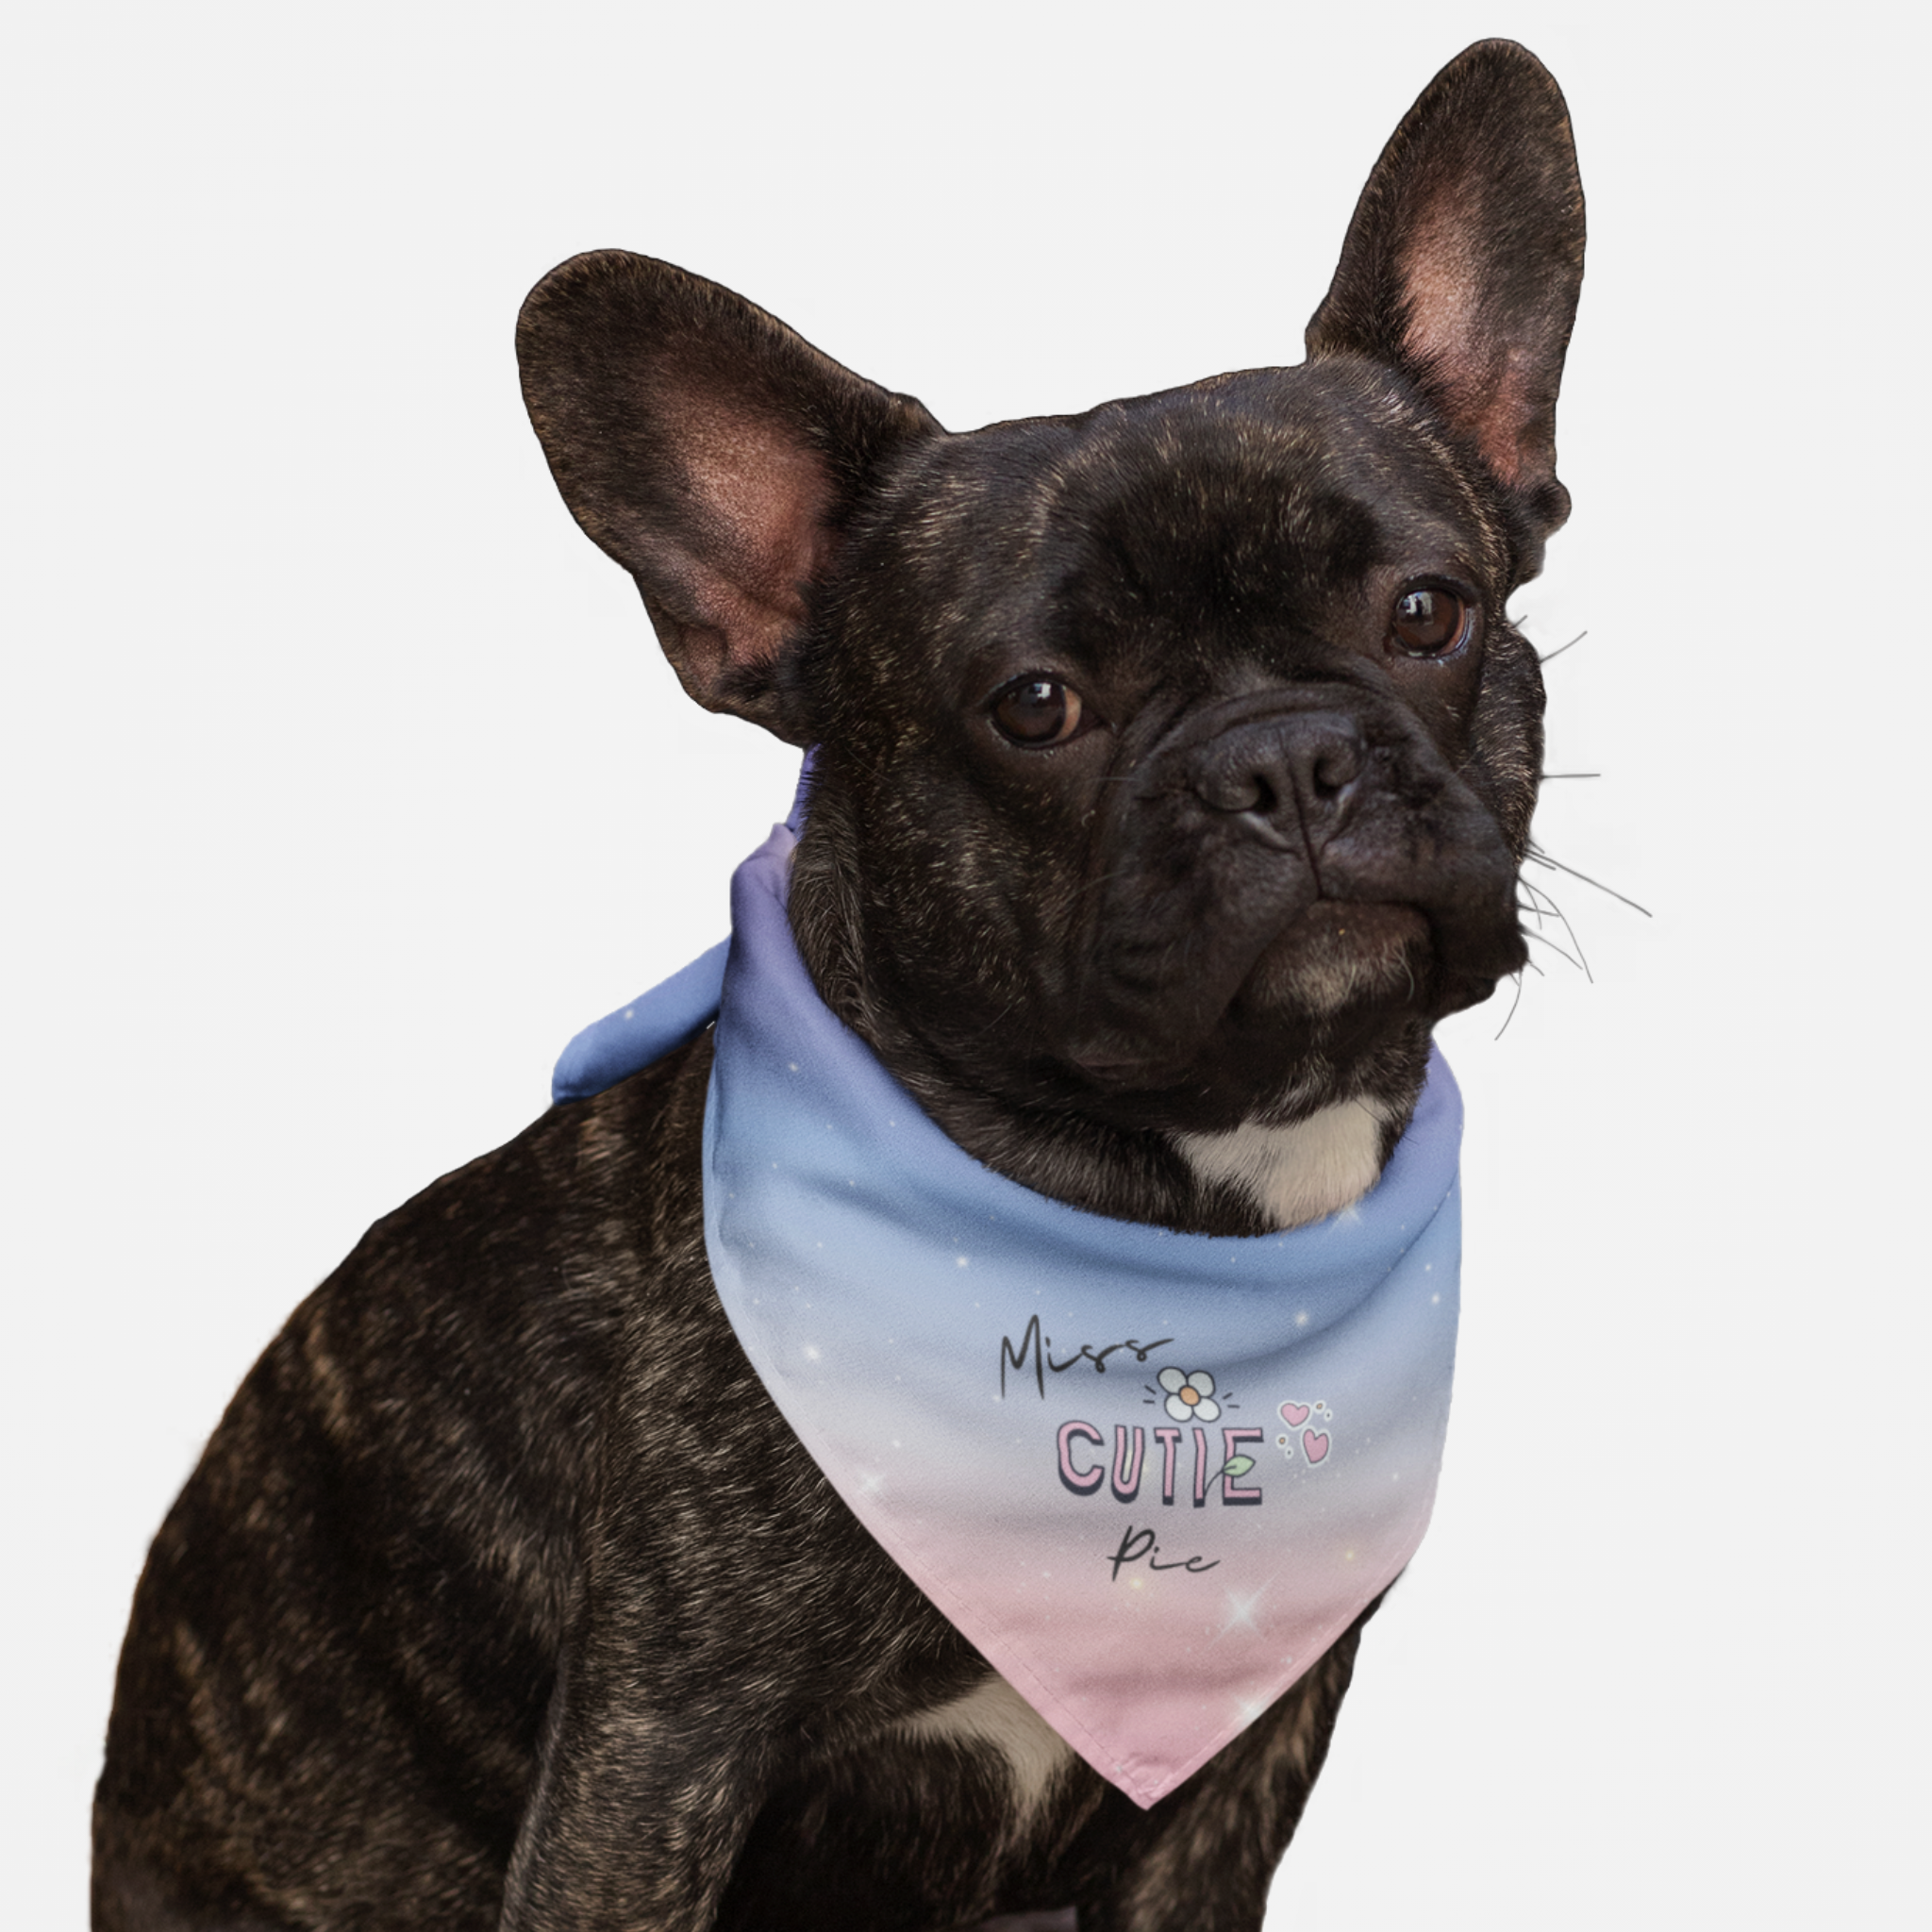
[1150,1476]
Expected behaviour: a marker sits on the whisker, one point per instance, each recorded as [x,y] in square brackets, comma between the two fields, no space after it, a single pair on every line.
[1572,774]
[1513,1004]
[1542,857]
[1550,656]
[1582,957]
[1542,939]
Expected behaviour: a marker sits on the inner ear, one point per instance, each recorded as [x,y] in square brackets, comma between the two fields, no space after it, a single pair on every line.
[1463,261]
[1478,369]
[726,583]
[714,454]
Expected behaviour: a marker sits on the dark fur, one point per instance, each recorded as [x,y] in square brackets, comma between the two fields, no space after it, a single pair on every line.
[502,1595]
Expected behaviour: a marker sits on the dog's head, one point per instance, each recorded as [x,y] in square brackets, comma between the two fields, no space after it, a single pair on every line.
[1176,759]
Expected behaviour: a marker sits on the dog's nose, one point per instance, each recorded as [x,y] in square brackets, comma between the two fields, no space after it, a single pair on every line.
[1291,777]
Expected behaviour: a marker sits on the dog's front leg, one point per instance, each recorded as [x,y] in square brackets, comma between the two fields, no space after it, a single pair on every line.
[639,1809]
[730,1618]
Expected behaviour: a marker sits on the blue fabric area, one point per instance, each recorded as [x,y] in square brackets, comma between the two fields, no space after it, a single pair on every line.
[628,1041]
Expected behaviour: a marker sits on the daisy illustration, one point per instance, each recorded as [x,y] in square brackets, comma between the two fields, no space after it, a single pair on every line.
[1189,1398]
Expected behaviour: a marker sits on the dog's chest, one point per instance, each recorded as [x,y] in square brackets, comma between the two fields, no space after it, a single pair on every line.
[976,1809]
[994,1720]
[964,1811]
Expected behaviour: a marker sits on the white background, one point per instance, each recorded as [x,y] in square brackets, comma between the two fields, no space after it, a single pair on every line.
[342,782]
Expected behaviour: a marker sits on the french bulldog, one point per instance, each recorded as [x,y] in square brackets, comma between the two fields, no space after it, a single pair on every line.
[1175,763]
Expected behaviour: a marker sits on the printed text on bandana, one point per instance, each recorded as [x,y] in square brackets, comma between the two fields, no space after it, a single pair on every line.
[1186,1463]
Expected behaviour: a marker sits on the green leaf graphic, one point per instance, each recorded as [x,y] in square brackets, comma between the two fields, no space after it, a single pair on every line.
[1238,1465]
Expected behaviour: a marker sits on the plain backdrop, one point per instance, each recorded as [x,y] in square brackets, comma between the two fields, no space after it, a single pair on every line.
[342,781]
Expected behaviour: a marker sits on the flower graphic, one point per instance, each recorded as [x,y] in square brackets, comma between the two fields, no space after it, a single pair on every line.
[1189,1398]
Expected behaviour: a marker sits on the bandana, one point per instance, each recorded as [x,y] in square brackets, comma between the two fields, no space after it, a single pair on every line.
[1150,1476]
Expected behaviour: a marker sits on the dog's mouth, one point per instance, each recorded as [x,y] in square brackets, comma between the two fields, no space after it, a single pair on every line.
[1338,976]
[1336,954]
[1333,962]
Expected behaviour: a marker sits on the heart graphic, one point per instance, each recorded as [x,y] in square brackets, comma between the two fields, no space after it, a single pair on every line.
[1294,1413]
[1315,1445]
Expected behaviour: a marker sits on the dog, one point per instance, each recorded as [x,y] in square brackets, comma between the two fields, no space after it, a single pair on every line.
[1172,767]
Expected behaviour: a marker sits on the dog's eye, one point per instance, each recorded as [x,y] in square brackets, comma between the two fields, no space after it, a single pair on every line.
[1036,710]
[1429,622]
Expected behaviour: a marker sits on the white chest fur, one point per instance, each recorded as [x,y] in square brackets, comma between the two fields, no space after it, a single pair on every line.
[1295,1173]
[993,1713]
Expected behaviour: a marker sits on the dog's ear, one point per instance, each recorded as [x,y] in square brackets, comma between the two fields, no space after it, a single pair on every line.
[1463,264]
[713,453]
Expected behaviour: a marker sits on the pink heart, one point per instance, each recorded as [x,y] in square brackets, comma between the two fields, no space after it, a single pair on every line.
[1315,1444]
[1294,1413]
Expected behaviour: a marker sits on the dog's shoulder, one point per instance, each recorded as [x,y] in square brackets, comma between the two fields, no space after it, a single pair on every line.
[539,1248]
[412,1456]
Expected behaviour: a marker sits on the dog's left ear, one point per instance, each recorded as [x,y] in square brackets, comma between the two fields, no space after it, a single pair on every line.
[1463,264]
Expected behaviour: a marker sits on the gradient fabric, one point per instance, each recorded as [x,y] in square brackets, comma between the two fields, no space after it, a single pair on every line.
[1150,1476]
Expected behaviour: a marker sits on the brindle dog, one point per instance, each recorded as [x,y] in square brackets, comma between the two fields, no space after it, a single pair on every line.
[1175,762]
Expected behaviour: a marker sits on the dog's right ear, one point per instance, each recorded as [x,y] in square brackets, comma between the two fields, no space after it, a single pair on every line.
[713,453]
[1463,264]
